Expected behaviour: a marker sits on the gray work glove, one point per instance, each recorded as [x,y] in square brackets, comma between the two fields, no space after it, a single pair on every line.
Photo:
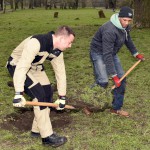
[19,100]
[61,102]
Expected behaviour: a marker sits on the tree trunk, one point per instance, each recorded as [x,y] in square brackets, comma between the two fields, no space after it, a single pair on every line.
[21,2]
[4,7]
[76,4]
[46,4]
[93,3]
[16,4]
[83,2]
[31,4]
[54,2]
[142,13]
[1,4]
[65,5]
[11,4]
[106,2]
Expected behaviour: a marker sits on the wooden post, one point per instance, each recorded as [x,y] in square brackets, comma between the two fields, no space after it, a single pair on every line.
[55,14]
[101,14]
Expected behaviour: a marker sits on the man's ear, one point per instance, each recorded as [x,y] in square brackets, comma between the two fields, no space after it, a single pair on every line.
[60,38]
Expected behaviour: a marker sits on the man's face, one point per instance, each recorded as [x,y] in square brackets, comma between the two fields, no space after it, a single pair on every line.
[66,42]
[125,22]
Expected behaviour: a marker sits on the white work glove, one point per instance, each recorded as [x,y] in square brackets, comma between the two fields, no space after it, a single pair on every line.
[61,102]
[19,100]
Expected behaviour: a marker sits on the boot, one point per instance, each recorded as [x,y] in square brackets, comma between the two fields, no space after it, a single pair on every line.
[34,134]
[54,140]
[120,112]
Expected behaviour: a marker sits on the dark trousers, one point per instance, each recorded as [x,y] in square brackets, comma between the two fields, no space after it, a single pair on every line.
[43,93]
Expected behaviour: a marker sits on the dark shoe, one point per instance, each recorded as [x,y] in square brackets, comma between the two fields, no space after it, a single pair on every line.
[119,112]
[34,134]
[54,140]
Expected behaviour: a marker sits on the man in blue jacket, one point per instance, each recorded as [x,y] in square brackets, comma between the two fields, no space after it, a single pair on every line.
[105,45]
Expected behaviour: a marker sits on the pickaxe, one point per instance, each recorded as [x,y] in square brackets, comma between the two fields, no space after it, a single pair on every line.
[128,72]
[33,103]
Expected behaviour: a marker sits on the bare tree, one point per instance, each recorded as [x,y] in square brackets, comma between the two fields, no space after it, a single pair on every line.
[83,2]
[12,4]
[112,4]
[142,13]
[106,3]
[21,2]
[1,4]
[76,3]
[31,4]
[63,4]
[4,6]
[93,3]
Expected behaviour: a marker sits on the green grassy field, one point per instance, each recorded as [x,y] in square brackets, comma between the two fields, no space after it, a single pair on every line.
[100,131]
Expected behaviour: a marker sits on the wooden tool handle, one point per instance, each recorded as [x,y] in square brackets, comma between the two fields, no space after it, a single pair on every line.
[128,72]
[32,103]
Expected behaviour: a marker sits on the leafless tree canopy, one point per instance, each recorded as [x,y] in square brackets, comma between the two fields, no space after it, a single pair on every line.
[48,4]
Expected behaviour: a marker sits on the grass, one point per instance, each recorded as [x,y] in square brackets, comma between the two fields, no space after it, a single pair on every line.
[100,131]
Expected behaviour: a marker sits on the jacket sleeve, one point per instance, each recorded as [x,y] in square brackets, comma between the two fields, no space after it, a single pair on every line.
[108,40]
[130,45]
[30,50]
[60,74]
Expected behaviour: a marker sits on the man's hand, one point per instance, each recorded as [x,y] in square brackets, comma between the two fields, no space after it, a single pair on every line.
[116,81]
[61,102]
[140,57]
[19,100]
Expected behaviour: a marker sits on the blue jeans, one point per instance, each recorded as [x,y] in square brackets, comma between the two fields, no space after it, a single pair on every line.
[101,78]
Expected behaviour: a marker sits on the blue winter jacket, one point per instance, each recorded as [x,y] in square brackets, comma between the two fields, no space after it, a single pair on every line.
[108,40]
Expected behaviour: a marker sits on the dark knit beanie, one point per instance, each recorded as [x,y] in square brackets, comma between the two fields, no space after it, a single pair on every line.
[126,12]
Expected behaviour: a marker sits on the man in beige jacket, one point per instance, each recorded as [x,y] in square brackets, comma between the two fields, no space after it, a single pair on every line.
[25,65]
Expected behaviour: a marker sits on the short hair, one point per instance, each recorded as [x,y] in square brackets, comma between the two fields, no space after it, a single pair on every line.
[64,30]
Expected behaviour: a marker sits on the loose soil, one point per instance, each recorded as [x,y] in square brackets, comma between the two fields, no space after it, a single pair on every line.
[22,119]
